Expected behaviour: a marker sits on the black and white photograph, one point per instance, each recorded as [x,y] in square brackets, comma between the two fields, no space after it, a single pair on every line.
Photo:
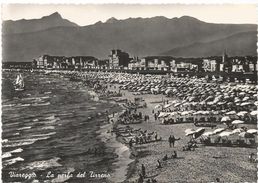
[129,93]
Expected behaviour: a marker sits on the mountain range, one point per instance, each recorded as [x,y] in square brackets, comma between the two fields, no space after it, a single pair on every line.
[186,36]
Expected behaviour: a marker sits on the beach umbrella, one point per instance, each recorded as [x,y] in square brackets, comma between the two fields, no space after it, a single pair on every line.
[225,134]
[168,91]
[167,105]
[172,114]
[225,118]
[238,130]
[237,100]
[189,132]
[163,114]
[237,122]
[231,113]
[219,130]
[242,93]
[207,134]
[185,113]
[242,113]
[221,103]
[246,135]
[177,104]
[245,103]
[245,98]
[252,131]
[254,113]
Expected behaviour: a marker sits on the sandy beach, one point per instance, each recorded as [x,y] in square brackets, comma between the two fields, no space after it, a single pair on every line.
[205,164]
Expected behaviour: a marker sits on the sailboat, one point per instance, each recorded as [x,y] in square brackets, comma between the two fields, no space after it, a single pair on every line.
[19,83]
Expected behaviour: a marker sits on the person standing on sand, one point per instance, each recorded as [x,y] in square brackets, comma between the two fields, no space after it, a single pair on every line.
[170,140]
[140,179]
[131,143]
[143,171]
[155,116]
[159,164]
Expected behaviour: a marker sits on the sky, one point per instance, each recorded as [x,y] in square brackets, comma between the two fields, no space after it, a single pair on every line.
[90,14]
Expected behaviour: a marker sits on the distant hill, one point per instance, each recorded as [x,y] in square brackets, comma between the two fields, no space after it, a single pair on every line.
[25,26]
[237,44]
[137,36]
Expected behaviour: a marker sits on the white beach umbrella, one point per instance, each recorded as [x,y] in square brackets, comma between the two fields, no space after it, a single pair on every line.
[189,132]
[231,113]
[245,103]
[253,131]
[167,105]
[238,130]
[207,134]
[168,91]
[242,113]
[185,113]
[225,134]
[242,93]
[225,118]
[237,100]
[254,113]
[237,122]
[245,99]
[219,130]
[177,104]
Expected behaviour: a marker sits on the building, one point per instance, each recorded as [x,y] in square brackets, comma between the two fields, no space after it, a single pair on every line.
[118,59]
[134,64]
[164,63]
[62,62]
[209,65]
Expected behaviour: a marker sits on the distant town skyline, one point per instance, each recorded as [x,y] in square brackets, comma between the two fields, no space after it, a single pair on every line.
[89,14]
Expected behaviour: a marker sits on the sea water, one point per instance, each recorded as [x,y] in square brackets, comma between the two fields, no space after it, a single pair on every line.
[48,128]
